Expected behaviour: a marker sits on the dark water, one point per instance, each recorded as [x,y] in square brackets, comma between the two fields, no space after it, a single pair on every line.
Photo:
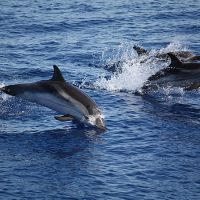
[152,147]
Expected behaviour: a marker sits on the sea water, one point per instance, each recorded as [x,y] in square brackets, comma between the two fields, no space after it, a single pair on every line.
[151,149]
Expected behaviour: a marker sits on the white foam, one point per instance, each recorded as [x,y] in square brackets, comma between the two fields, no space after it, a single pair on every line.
[173,47]
[134,72]
[2,85]
[3,96]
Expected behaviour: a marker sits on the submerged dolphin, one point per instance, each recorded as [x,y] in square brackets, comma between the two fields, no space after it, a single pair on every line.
[177,74]
[186,56]
[59,95]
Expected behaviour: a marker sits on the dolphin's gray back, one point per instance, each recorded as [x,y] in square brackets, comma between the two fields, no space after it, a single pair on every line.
[66,91]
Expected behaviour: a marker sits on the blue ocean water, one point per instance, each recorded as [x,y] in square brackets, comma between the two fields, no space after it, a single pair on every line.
[152,147]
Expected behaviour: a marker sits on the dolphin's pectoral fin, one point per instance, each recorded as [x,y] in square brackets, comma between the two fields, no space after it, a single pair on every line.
[64,118]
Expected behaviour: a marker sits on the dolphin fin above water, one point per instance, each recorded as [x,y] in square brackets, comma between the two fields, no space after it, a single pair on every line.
[176,66]
[175,62]
[187,66]
[57,76]
[61,96]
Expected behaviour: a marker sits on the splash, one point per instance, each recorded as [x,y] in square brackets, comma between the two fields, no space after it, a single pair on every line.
[92,118]
[133,76]
[134,70]
[2,85]
[173,47]
[3,96]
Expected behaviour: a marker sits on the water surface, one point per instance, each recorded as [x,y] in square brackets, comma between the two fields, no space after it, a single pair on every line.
[152,146]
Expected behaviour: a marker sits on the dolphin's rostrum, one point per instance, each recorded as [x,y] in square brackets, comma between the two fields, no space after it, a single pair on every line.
[57,94]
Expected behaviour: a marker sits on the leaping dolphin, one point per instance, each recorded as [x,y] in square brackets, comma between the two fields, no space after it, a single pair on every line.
[59,95]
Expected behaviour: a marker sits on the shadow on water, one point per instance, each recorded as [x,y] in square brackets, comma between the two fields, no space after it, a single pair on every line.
[49,144]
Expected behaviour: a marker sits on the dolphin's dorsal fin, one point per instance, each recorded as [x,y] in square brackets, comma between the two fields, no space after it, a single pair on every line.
[57,75]
[139,50]
[175,62]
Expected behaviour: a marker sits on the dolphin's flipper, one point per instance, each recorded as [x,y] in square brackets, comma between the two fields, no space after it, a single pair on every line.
[175,62]
[64,118]
[57,75]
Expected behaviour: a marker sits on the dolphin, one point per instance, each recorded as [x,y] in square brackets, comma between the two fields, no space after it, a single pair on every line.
[177,74]
[183,66]
[186,56]
[59,95]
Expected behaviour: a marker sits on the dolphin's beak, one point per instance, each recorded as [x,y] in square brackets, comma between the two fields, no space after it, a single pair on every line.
[100,123]
[7,90]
